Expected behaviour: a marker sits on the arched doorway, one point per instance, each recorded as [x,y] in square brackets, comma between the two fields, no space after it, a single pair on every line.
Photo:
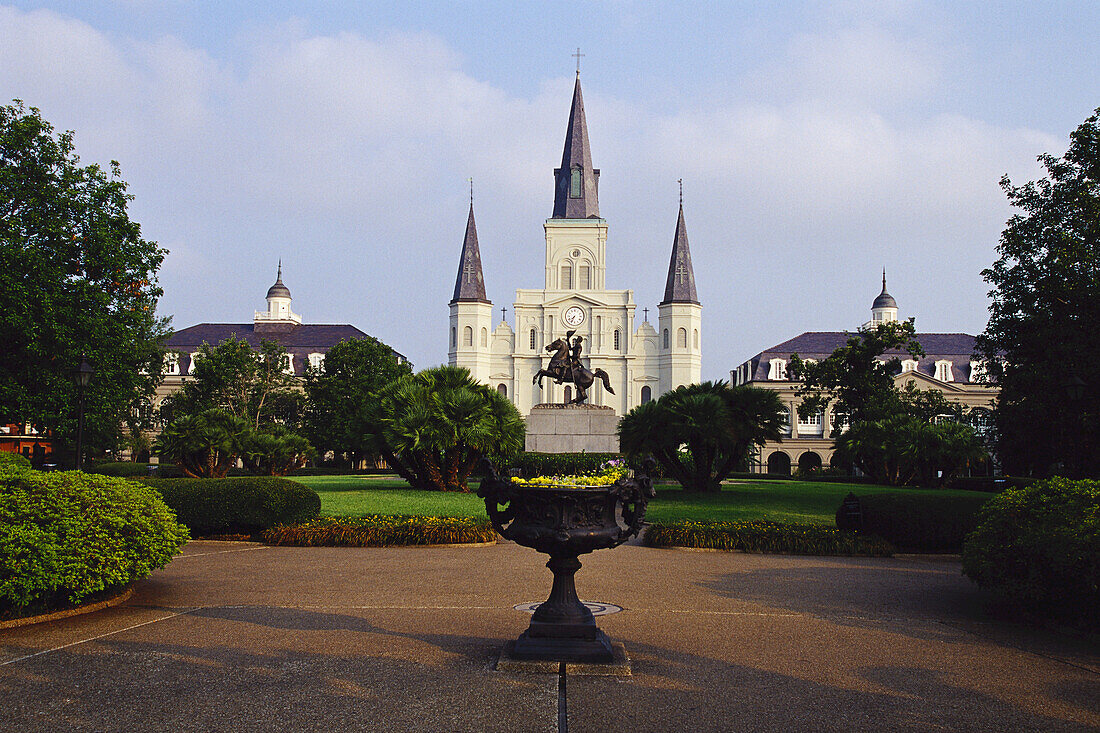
[779,464]
[809,462]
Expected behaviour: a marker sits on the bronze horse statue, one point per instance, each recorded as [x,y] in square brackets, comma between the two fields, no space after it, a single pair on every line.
[567,367]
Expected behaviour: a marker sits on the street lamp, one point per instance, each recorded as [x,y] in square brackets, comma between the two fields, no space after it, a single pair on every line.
[82,375]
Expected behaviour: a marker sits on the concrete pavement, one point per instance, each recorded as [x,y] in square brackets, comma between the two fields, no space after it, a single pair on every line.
[236,636]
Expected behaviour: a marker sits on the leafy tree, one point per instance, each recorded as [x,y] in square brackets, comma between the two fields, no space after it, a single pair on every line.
[76,278]
[903,449]
[352,374]
[274,451]
[716,423]
[1042,336]
[434,427]
[855,377]
[246,383]
[204,445]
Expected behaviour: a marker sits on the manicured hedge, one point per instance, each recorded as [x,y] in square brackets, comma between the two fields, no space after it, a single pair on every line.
[991,484]
[917,522]
[245,505]
[813,476]
[560,464]
[1038,548]
[764,537]
[129,469]
[14,460]
[66,536]
[376,530]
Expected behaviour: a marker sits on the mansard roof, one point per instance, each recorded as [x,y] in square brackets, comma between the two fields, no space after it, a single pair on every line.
[680,285]
[470,283]
[576,155]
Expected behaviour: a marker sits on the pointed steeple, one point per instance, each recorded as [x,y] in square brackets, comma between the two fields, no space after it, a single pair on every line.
[884,299]
[680,286]
[279,290]
[470,284]
[576,183]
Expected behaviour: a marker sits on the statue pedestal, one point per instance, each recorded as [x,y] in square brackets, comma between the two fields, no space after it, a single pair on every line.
[558,428]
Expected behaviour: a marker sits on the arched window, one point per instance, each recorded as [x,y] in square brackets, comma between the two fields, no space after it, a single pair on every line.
[575,182]
[647,394]
[503,389]
[566,277]
[584,274]
[618,340]
[467,336]
[682,338]
[696,339]
[666,338]
[484,336]
[454,337]
[534,339]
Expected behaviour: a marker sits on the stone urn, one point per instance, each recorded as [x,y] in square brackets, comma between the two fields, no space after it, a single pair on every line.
[565,521]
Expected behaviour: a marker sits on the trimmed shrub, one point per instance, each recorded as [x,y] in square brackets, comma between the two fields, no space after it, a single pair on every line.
[377,530]
[814,477]
[1038,548]
[14,460]
[66,536]
[561,464]
[989,484]
[764,537]
[237,505]
[918,522]
[129,469]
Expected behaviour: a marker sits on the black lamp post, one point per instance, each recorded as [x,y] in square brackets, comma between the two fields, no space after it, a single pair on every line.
[82,375]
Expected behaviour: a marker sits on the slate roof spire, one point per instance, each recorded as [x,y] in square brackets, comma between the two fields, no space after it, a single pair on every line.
[279,290]
[680,286]
[470,283]
[576,182]
[884,299]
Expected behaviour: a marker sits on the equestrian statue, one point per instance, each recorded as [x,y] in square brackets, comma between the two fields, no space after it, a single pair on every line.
[565,366]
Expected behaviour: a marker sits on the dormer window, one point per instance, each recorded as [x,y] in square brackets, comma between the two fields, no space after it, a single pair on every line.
[316,360]
[979,372]
[943,371]
[171,364]
[191,368]
[575,182]
[777,370]
[288,366]
[908,365]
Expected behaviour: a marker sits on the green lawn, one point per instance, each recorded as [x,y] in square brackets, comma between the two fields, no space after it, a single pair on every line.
[740,499]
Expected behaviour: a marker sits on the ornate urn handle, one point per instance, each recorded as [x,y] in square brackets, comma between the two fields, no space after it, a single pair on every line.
[497,491]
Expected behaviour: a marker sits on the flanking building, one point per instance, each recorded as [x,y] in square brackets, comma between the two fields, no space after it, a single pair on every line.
[643,361]
[949,365]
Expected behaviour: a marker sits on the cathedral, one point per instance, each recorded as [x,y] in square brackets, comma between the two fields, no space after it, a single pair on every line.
[641,361]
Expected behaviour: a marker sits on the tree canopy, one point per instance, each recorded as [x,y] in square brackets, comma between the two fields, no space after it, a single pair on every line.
[352,374]
[1042,343]
[76,279]
[700,433]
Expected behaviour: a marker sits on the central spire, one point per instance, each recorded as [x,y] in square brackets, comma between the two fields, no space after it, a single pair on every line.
[470,284]
[576,183]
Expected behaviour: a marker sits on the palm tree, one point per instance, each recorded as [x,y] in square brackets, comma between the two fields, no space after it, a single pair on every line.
[700,433]
[434,427]
[204,445]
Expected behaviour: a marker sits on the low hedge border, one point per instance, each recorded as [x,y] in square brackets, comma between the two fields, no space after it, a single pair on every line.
[765,537]
[379,530]
[245,505]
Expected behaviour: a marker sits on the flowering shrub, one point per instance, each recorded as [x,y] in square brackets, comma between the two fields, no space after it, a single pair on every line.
[608,473]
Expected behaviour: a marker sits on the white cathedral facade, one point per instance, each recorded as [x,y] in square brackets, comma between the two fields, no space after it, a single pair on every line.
[643,362]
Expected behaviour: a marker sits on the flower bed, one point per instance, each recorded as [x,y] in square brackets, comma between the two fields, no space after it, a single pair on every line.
[765,537]
[380,530]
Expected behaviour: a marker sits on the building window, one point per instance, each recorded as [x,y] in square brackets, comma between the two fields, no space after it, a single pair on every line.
[316,360]
[191,366]
[647,394]
[584,274]
[696,339]
[777,369]
[908,365]
[811,424]
[503,389]
[534,339]
[454,337]
[172,363]
[484,337]
[575,183]
[666,339]
[566,277]
[682,338]
[288,365]
[943,371]
[467,336]
[785,421]
[979,372]
[618,340]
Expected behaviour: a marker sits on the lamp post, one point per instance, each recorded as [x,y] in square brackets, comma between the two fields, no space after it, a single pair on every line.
[82,375]
[1074,390]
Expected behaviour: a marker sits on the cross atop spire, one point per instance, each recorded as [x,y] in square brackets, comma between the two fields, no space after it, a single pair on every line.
[681,182]
[680,285]
[576,189]
[471,180]
[470,283]
[578,56]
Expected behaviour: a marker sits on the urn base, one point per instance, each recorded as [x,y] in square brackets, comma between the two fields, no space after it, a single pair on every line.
[564,649]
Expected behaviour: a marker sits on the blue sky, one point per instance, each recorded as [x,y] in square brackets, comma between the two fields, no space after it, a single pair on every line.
[818,142]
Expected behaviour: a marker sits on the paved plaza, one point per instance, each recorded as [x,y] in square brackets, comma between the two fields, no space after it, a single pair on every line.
[244,637]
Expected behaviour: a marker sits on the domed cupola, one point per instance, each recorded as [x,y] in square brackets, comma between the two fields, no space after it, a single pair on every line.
[279,290]
[885,308]
[278,306]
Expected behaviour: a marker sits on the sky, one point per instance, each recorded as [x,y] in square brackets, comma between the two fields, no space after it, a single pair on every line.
[818,143]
